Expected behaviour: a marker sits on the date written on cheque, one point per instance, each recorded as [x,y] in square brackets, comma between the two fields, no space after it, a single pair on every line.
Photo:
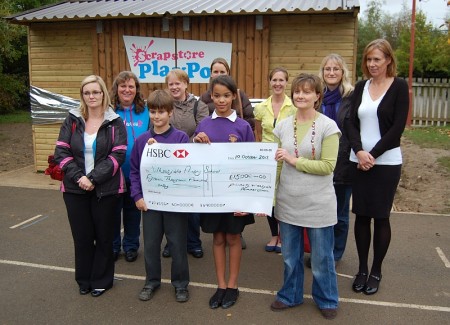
[249,157]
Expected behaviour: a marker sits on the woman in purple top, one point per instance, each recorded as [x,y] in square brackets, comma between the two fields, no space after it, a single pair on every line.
[225,126]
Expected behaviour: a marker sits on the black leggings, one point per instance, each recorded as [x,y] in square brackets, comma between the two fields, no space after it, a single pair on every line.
[381,240]
[273,224]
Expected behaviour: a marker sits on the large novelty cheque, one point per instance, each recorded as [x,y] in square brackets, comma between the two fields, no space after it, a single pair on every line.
[217,177]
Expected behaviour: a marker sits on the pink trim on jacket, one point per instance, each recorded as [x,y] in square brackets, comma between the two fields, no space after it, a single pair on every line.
[62,144]
[115,163]
[122,147]
[65,161]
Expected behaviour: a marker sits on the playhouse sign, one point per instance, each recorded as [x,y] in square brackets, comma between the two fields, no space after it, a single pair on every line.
[151,58]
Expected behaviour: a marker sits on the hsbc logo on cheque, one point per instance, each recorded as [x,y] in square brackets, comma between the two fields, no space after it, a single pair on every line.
[181,153]
[161,153]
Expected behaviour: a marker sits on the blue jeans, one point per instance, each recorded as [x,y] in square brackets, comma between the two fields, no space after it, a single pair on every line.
[324,286]
[131,224]
[343,193]
[193,234]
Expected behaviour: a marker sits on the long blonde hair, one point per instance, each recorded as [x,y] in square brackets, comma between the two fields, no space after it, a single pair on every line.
[106,101]
[345,87]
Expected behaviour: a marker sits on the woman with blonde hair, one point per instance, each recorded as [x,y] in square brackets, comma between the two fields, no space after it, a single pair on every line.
[91,147]
[336,104]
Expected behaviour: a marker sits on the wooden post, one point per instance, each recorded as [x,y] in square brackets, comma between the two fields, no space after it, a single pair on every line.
[411,61]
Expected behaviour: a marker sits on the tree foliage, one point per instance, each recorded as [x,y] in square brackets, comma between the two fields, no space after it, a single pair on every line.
[431,50]
[14,80]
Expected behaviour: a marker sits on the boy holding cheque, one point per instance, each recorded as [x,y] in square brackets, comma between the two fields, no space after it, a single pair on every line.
[156,224]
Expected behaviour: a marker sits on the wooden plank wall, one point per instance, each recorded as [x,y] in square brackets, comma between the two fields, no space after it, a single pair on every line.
[60,56]
[250,57]
[300,42]
[44,140]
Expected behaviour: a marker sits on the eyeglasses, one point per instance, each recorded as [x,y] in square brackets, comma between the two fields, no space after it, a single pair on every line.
[94,93]
[328,69]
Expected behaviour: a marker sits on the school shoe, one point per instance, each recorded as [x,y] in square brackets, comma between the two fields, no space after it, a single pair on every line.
[84,291]
[359,283]
[97,292]
[166,252]
[147,293]
[197,253]
[216,299]
[230,297]
[181,294]
[116,256]
[131,255]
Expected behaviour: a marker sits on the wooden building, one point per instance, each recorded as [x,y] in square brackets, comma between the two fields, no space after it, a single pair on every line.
[72,39]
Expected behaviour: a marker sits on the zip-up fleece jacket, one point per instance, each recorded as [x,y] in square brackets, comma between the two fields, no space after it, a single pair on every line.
[110,149]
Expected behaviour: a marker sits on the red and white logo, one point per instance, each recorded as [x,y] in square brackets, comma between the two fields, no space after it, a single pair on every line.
[181,153]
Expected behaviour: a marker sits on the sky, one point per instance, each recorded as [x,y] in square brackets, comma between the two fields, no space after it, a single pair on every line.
[435,10]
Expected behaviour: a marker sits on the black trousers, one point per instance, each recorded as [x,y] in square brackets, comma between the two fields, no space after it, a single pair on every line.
[92,224]
[174,225]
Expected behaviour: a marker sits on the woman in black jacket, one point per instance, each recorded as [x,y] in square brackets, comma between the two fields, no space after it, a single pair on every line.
[90,149]
[378,114]
[336,104]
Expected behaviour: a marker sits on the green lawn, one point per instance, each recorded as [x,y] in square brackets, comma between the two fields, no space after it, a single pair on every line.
[432,137]
[17,117]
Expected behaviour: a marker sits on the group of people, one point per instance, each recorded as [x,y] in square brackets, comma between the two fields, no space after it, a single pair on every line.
[335,141]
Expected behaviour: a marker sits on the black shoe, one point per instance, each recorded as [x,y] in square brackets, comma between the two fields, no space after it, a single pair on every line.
[230,298]
[360,282]
[97,292]
[216,299]
[116,256]
[197,253]
[131,255]
[181,294]
[166,252]
[84,291]
[147,293]
[372,284]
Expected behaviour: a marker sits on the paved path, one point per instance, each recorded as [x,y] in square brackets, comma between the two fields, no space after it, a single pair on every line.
[37,284]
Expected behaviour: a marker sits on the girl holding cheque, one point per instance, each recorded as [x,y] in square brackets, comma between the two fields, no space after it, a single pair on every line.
[158,223]
[225,126]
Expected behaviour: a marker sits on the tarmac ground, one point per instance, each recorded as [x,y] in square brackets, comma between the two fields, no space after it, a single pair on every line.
[37,285]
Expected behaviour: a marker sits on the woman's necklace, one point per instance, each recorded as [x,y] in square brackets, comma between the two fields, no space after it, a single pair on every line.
[313,135]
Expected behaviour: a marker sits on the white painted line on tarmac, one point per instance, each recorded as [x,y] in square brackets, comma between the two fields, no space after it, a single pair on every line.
[443,257]
[242,289]
[26,221]
[345,275]
[33,223]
